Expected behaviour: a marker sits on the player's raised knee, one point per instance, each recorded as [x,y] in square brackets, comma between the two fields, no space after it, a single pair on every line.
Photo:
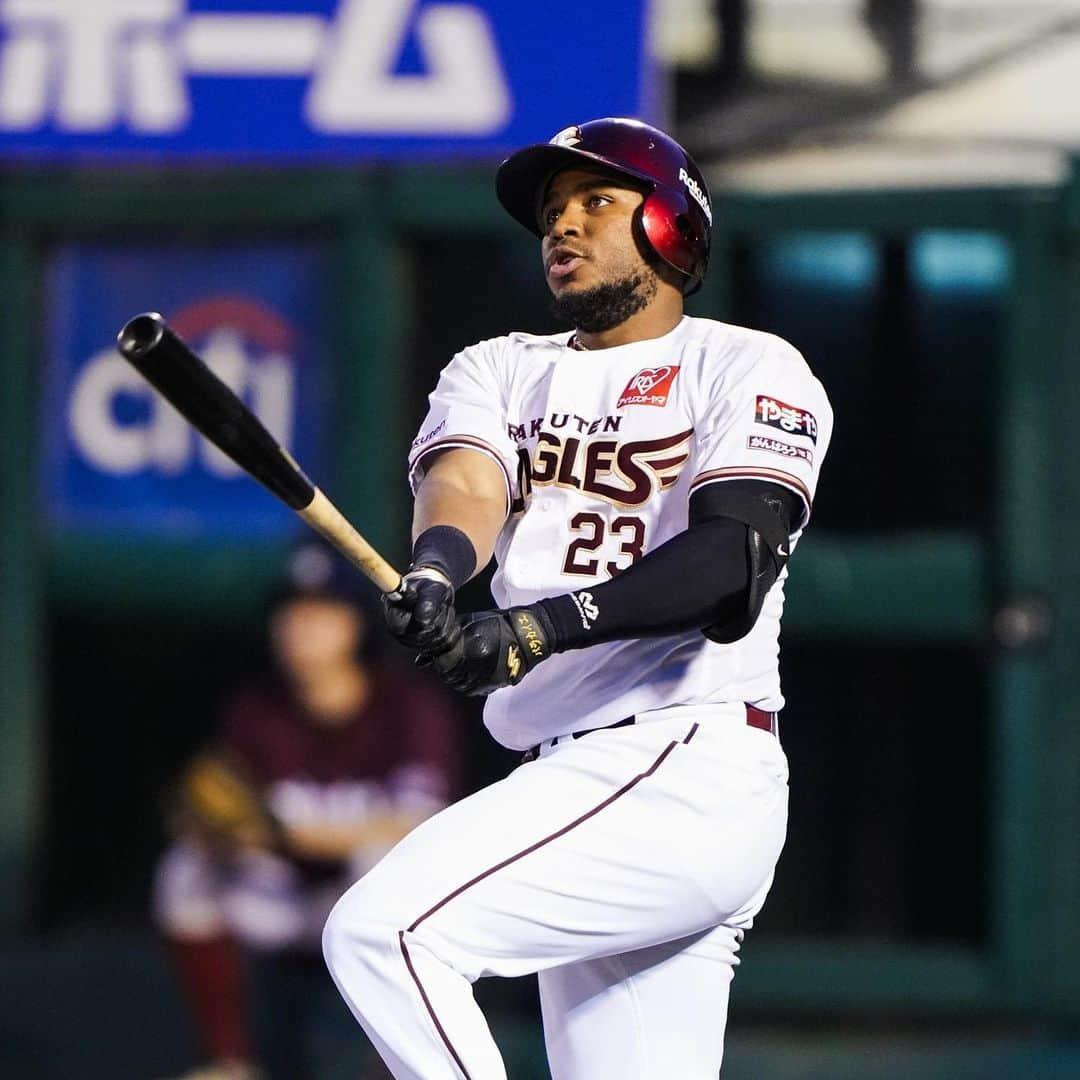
[335,938]
[360,926]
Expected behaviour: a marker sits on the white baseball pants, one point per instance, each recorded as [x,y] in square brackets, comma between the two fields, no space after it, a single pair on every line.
[622,866]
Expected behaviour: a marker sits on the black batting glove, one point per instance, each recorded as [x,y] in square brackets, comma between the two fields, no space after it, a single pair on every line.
[420,612]
[496,649]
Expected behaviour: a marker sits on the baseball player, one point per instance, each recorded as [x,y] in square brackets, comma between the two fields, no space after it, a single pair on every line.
[642,482]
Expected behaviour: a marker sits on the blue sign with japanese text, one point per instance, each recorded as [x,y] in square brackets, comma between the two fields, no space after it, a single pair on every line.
[312,79]
[116,455]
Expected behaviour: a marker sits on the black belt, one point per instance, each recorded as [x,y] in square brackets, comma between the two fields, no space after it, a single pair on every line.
[755,717]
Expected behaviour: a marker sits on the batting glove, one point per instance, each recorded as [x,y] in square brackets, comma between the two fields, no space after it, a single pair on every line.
[496,649]
[420,612]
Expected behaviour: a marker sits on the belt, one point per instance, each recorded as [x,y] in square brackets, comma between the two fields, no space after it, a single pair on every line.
[755,718]
[759,718]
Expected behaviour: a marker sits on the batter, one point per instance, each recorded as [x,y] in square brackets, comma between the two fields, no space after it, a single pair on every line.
[642,482]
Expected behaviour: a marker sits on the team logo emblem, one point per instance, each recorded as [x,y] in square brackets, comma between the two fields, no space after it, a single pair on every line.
[588,605]
[650,386]
[513,662]
[570,136]
[587,609]
[788,418]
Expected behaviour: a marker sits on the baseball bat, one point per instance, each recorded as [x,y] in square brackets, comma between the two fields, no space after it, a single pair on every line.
[185,381]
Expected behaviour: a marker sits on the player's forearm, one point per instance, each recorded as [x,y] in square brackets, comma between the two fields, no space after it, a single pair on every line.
[479,517]
[713,577]
[696,578]
[465,491]
[460,509]
[691,582]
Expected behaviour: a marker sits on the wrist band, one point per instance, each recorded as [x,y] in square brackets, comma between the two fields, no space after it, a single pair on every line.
[447,550]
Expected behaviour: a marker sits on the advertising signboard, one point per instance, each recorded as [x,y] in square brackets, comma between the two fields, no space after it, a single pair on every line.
[117,456]
[311,79]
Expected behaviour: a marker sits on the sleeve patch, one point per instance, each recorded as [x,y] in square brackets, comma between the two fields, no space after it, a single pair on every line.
[778,446]
[788,418]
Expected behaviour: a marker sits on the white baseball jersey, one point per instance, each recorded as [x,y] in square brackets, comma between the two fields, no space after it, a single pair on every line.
[601,451]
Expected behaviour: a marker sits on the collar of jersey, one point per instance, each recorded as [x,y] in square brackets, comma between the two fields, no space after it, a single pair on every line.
[573,343]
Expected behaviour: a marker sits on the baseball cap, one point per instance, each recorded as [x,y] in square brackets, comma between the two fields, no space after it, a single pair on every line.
[315,571]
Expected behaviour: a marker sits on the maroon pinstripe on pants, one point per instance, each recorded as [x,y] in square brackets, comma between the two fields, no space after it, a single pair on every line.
[499,866]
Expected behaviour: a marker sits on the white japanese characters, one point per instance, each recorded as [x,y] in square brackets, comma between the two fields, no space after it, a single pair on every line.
[91,67]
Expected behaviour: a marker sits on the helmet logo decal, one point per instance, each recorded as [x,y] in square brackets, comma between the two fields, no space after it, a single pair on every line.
[696,192]
[570,136]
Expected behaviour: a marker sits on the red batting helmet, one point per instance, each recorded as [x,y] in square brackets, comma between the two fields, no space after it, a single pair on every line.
[676,216]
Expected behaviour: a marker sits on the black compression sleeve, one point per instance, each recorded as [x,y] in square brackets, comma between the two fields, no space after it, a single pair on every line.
[699,577]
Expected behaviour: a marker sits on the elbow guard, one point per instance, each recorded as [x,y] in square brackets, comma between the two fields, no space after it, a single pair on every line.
[763,570]
[767,511]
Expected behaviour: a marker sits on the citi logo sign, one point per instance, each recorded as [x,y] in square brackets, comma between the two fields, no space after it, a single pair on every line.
[92,66]
[248,346]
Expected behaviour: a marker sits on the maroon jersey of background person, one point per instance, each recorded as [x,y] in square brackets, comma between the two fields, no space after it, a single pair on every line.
[399,752]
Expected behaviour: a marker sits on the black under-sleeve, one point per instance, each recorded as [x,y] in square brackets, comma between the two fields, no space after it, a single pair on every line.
[710,577]
[699,577]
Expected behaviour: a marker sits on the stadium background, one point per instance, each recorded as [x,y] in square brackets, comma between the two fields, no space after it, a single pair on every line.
[897,193]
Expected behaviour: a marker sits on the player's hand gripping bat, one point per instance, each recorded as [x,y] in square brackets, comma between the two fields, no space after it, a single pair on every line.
[211,407]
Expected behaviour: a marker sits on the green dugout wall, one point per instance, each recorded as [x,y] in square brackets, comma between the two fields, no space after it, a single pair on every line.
[1007,592]
[937,586]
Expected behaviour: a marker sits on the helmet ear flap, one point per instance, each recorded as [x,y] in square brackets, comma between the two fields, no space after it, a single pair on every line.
[669,226]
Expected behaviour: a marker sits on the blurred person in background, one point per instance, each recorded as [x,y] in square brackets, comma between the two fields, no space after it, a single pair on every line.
[315,774]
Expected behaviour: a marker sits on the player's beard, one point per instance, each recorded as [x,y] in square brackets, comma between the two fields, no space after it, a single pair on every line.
[605,306]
